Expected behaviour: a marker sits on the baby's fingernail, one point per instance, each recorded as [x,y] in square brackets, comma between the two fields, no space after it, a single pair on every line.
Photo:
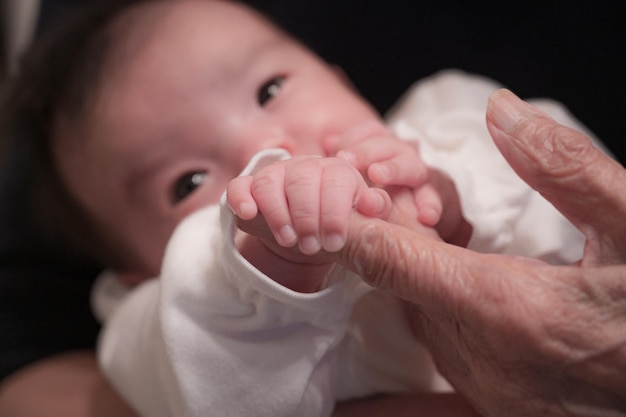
[310,245]
[347,156]
[429,216]
[247,209]
[330,142]
[287,236]
[380,203]
[333,242]
[380,173]
[243,211]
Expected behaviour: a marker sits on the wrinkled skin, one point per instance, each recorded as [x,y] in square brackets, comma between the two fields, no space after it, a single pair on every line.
[518,337]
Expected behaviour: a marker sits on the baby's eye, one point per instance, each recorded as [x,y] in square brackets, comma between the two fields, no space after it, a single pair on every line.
[187,185]
[269,89]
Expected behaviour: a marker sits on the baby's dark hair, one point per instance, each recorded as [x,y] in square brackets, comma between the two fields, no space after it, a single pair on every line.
[60,74]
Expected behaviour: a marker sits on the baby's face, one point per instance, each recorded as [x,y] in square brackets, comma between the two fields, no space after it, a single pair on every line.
[207,87]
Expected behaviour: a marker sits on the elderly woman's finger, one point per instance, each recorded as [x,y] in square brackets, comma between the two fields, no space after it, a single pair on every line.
[582,182]
[391,256]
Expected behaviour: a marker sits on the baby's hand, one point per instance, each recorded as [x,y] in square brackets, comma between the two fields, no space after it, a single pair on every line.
[307,201]
[389,162]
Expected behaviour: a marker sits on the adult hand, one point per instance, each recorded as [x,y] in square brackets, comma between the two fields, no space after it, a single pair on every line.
[516,336]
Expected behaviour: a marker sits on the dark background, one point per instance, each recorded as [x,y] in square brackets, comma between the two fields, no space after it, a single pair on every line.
[574,52]
[571,51]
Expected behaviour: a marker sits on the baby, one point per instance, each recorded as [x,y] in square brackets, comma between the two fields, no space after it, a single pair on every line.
[171,103]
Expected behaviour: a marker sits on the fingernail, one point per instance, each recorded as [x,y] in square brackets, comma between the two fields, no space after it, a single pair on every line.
[505,109]
[429,216]
[245,211]
[375,205]
[287,235]
[380,204]
[310,245]
[330,142]
[346,156]
[381,172]
[333,242]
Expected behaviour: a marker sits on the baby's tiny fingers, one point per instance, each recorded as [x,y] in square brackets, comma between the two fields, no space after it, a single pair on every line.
[366,152]
[342,185]
[302,188]
[268,191]
[402,170]
[374,202]
[239,198]
[429,205]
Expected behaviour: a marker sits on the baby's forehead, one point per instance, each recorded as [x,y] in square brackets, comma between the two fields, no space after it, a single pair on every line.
[132,29]
[173,52]
[162,13]
[162,20]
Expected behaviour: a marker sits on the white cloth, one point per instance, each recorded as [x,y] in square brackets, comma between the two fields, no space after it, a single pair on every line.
[446,115]
[214,336]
